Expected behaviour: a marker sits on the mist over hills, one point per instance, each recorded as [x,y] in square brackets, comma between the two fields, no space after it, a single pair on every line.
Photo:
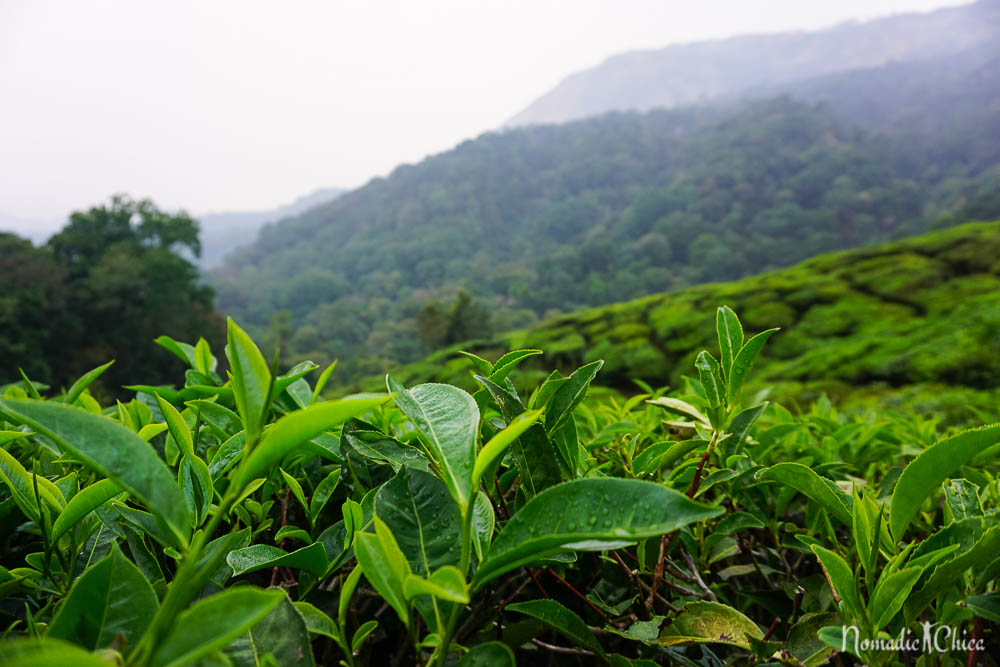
[698,72]
[223,232]
[548,219]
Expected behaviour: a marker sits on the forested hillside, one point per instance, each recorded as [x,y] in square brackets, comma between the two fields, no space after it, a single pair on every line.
[687,73]
[913,323]
[545,220]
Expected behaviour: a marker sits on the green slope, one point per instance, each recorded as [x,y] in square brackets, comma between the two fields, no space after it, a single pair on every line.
[914,323]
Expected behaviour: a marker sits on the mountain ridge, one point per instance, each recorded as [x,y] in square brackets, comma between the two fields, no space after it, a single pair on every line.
[695,72]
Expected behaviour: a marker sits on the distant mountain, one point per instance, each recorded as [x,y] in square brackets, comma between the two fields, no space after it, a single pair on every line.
[221,233]
[692,73]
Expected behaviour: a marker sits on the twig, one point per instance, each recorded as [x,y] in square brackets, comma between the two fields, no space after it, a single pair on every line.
[770,630]
[561,649]
[576,592]
[977,632]
[281,544]
[697,578]
[503,501]
[538,584]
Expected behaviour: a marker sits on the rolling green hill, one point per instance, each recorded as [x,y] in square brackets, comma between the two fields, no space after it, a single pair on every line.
[915,323]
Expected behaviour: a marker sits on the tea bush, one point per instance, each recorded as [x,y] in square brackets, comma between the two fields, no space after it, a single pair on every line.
[243,520]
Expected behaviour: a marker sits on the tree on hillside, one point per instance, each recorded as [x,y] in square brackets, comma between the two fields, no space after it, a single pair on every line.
[118,280]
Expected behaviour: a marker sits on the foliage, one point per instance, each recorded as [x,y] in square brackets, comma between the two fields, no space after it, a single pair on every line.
[248,522]
[102,288]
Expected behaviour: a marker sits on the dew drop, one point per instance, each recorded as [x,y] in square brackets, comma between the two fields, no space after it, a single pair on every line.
[571,526]
[592,520]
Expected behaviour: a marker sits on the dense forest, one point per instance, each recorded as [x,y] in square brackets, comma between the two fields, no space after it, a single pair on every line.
[550,219]
[113,279]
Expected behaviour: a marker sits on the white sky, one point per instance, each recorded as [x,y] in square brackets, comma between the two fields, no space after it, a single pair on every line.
[237,105]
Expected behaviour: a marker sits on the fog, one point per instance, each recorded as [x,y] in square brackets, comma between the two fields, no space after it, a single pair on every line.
[237,105]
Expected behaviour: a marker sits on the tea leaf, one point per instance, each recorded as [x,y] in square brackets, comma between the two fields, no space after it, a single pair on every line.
[744,361]
[111,597]
[423,518]
[932,466]
[82,504]
[298,427]
[490,654]
[213,622]
[682,407]
[85,381]
[448,583]
[112,450]
[840,576]
[505,364]
[709,623]
[890,594]
[569,394]
[819,489]
[448,419]
[22,487]
[584,514]
[948,572]
[730,332]
[711,379]
[317,621]
[562,620]
[251,379]
[385,567]
[44,652]
[499,443]
[985,606]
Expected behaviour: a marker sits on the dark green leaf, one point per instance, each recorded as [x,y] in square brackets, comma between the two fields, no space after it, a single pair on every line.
[562,620]
[312,559]
[490,654]
[423,518]
[584,514]
[569,394]
[111,597]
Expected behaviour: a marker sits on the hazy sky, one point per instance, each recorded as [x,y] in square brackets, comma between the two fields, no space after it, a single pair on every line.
[218,105]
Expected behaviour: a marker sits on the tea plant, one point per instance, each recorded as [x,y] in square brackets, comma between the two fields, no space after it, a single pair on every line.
[244,520]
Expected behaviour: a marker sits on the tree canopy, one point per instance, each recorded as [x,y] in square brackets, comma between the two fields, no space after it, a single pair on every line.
[103,288]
